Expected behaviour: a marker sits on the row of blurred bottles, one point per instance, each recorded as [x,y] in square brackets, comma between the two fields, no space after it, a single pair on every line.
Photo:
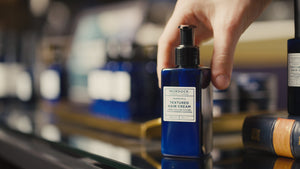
[105,66]
[23,82]
[112,64]
[108,63]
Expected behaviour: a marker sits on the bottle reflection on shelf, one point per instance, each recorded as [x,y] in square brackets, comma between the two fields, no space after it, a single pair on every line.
[187,163]
[53,87]
[101,148]
[268,161]
[21,115]
[16,74]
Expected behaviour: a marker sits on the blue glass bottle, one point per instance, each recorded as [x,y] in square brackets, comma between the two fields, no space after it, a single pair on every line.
[53,80]
[293,66]
[187,103]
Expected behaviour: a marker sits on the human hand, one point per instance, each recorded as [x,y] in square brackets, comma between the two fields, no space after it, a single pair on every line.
[224,20]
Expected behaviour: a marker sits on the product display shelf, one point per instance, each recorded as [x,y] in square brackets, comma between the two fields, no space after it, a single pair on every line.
[147,150]
[68,113]
[79,115]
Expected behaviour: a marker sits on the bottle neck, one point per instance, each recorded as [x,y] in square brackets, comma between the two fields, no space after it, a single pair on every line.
[187,66]
[187,56]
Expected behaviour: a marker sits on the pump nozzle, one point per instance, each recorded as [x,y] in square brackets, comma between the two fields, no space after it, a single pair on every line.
[186,35]
[187,54]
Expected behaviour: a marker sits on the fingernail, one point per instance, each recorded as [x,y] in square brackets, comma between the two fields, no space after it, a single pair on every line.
[222,81]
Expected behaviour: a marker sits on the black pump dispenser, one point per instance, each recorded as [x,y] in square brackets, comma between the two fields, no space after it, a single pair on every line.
[297,18]
[187,54]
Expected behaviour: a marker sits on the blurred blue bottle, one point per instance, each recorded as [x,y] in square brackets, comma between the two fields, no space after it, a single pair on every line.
[53,80]
[226,101]
[257,91]
[187,102]
[25,79]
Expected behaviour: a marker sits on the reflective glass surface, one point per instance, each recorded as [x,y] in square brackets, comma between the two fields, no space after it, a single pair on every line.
[107,149]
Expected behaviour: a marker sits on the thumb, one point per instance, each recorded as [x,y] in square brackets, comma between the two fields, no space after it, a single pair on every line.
[222,59]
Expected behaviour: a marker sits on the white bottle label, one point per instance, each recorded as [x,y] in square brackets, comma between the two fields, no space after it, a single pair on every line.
[108,85]
[4,86]
[121,86]
[294,69]
[50,84]
[100,84]
[24,86]
[179,104]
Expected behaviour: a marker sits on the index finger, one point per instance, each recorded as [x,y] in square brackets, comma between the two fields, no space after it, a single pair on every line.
[166,44]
